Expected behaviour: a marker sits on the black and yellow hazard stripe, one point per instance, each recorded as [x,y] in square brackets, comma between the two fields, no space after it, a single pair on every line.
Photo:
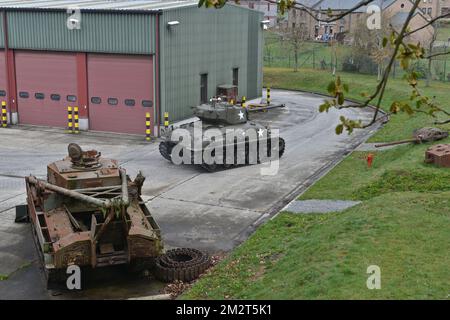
[268,95]
[148,130]
[76,120]
[4,115]
[244,100]
[166,120]
[69,120]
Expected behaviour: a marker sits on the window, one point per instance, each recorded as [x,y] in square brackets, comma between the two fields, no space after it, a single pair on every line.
[235,76]
[424,10]
[39,96]
[429,11]
[341,29]
[147,103]
[204,88]
[71,98]
[55,97]
[2,93]
[96,100]
[130,102]
[24,94]
[113,101]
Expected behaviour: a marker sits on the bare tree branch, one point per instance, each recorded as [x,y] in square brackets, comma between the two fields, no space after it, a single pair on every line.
[430,22]
[437,54]
[333,17]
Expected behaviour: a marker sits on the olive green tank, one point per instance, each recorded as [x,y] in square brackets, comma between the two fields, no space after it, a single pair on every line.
[243,141]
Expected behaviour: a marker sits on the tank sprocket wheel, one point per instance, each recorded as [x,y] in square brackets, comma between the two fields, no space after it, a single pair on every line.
[281,147]
[165,149]
[183,264]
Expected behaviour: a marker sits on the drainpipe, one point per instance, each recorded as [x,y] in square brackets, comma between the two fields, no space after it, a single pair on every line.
[157,108]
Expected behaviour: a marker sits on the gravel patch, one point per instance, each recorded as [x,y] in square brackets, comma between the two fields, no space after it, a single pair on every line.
[320,206]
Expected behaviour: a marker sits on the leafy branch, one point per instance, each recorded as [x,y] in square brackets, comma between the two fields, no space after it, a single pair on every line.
[401,50]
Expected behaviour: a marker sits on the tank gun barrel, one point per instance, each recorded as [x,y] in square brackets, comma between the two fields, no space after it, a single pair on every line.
[125,199]
[73,194]
[396,142]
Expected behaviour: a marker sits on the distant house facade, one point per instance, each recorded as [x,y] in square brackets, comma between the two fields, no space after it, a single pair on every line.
[269,9]
[434,8]
[391,9]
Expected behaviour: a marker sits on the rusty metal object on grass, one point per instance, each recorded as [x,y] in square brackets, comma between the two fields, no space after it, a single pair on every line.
[420,136]
[439,155]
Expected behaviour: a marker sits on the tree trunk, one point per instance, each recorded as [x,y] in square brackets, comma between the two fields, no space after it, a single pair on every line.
[296,61]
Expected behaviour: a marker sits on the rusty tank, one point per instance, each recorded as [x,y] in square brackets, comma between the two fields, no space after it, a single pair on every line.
[422,135]
[89,213]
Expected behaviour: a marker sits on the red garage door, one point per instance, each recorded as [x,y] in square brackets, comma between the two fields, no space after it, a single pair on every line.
[120,92]
[46,85]
[2,76]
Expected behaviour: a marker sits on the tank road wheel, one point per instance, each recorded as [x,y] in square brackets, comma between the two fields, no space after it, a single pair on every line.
[181,264]
[209,167]
[165,148]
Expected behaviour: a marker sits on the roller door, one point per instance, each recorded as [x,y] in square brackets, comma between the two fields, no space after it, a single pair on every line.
[120,92]
[46,85]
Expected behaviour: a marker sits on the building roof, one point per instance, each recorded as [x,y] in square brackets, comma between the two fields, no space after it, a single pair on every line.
[97,5]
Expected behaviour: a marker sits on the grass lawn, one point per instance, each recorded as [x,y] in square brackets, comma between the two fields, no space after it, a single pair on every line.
[279,54]
[402,224]
[326,256]
[400,126]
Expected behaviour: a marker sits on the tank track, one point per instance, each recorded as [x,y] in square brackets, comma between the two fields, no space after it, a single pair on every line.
[165,149]
[183,264]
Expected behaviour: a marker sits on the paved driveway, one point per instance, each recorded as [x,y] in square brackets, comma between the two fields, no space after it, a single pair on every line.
[212,211]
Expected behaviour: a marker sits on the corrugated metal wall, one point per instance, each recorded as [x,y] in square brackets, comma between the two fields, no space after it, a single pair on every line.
[2,36]
[255,56]
[113,33]
[208,41]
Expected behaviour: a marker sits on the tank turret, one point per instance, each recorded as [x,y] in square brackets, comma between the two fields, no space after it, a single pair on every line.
[221,112]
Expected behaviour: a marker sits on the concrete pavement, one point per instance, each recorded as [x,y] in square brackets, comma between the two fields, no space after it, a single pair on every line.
[210,211]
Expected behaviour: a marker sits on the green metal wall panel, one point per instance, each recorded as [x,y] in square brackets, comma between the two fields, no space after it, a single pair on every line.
[100,32]
[255,49]
[207,41]
[2,35]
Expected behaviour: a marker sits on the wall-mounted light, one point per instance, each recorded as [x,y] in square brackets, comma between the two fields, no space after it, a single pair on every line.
[171,24]
[265,24]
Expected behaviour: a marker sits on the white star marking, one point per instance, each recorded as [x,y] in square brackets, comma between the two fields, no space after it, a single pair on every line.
[241,115]
[260,132]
